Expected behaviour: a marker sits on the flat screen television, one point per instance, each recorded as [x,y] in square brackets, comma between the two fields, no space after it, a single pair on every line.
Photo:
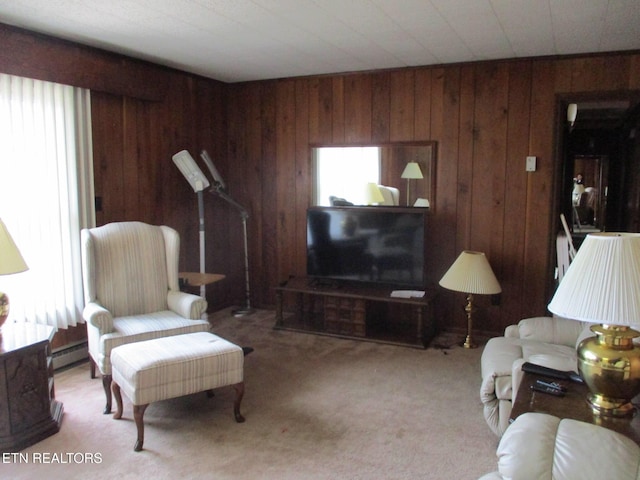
[378,245]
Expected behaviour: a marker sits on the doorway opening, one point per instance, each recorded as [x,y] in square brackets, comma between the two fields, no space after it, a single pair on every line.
[599,163]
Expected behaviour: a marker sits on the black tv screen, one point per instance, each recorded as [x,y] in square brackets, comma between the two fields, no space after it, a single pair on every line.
[383,245]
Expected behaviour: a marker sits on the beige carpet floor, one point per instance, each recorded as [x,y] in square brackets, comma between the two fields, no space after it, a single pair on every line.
[316,407]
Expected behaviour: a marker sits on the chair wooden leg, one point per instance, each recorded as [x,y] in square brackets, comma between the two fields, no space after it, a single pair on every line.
[138,415]
[239,388]
[106,383]
[92,367]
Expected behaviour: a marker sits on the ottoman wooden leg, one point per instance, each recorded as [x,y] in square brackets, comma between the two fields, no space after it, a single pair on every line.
[239,388]
[116,393]
[138,414]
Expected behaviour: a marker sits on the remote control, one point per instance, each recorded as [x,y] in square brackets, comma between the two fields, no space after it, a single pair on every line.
[551,391]
[555,385]
[551,372]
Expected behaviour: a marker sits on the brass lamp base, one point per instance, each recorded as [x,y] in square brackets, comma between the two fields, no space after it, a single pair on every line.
[468,342]
[609,363]
[4,307]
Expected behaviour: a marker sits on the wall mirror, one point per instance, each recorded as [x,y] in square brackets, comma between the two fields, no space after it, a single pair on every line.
[344,174]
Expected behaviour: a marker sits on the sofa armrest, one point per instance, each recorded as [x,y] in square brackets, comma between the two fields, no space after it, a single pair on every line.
[496,390]
[560,331]
[538,445]
[99,317]
[186,305]
[497,360]
[512,331]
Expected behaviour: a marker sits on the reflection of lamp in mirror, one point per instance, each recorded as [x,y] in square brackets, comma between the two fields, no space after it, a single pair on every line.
[471,274]
[602,286]
[11,261]
[411,171]
[373,194]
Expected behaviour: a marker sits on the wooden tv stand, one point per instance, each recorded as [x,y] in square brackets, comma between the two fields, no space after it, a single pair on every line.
[352,310]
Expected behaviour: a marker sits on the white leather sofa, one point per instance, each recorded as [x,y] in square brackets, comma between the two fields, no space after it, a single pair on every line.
[538,445]
[546,341]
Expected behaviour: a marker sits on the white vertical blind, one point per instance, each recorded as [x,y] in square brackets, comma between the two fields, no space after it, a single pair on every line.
[46,195]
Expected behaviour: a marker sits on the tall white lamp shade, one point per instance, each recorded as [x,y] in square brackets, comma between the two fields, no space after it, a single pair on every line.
[602,286]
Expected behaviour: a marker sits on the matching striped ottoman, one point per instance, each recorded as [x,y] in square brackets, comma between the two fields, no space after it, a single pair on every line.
[170,367]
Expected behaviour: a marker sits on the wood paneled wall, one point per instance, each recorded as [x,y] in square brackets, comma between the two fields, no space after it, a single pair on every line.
[141,115]
[485,117]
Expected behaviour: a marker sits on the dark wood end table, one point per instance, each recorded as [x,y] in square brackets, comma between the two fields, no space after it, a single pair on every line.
[573,405]
[29,411]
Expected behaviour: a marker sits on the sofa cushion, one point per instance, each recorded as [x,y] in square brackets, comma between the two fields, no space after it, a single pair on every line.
[560,331]
[138,328]
[550,355]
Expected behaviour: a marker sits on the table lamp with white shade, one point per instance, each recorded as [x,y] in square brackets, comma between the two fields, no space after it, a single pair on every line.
[373,194]
[11,261]
[602,286]
[471,274]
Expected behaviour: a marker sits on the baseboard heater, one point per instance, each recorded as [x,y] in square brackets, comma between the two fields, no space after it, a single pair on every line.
[69,354]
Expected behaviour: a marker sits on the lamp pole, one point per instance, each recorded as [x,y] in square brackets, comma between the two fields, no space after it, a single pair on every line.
[246,308]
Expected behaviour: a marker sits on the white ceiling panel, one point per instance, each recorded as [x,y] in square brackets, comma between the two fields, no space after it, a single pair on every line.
[240,40]
[578,25]
[621,23]
[527,25]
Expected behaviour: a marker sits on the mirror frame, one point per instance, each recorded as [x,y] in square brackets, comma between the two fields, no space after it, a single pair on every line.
[391,167]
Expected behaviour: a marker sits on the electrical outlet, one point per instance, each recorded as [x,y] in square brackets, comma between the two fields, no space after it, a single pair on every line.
[531,164]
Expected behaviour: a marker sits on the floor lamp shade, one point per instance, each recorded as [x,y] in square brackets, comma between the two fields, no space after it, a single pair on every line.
[602,286]
[411,171]
[471,274]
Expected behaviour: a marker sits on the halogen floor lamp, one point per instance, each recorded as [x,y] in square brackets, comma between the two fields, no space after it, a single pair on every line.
[198,181]
[218,189]
[188,167]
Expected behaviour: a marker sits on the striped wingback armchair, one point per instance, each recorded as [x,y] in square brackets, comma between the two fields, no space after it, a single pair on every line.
[130,277]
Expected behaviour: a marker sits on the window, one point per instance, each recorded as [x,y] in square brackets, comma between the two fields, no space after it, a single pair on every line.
[46,195]
[345,173]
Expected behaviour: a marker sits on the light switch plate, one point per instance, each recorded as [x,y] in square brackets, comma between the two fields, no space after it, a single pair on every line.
[531,164]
